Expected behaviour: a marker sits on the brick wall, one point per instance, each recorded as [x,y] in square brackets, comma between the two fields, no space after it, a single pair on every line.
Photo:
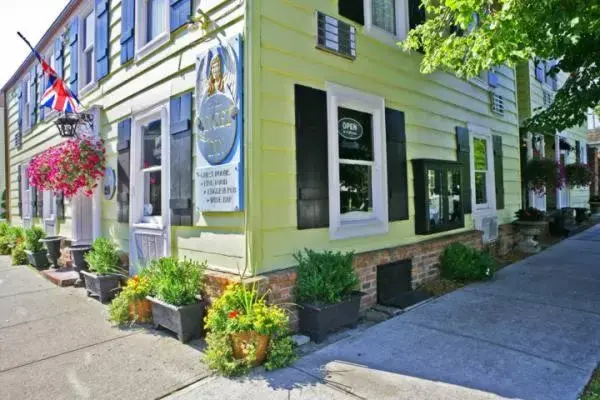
[424,255]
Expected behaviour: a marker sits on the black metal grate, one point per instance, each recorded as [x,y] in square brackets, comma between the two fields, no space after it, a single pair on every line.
[336,36]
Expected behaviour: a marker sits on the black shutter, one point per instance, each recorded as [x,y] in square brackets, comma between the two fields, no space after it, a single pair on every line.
[41,90]
[58,56]
[102,42]
[180,13]
[33,99]
[73,33]
[416,13]
[20,186]
[499,171]
[60,206]
[182,212]
[123,147]
[21,110]
[34,202]
[353,10]
[396,165]
[577,152]
[40,202]
[127,30]
[540,72]
[463,156]
[492,78]
[311,158]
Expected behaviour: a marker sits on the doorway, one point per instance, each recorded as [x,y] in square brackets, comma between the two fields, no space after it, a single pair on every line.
[49,213]
[82,210]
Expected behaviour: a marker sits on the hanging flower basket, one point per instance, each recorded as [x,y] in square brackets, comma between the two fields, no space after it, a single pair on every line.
[578,175]
[542,175]
[72,166]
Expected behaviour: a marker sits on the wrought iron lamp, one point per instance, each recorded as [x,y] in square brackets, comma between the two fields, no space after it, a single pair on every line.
[67,123]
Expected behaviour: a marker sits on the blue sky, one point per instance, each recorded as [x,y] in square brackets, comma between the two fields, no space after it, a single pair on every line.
[30,17]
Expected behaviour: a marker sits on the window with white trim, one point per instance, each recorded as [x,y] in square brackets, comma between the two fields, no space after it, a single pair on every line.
[482,167]
[152,25]
[25,111]
[151,171]
[87,59]
[357,178]
[387,20]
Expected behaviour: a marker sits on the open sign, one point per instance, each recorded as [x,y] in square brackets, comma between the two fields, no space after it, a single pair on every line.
[350,129]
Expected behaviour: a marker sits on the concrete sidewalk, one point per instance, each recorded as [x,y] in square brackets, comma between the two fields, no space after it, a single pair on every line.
[55,343]
[531,333]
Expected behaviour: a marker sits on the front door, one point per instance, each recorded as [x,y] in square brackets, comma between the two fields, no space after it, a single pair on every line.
[49,213]
[82,210]
[563,194]
[26,200]
[538,150]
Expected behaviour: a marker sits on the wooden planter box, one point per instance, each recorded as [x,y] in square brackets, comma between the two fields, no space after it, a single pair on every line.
[187,322]
[317,320]
[39,259]
[105,287]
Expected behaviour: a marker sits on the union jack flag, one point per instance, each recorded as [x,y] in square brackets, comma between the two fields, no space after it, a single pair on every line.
[57,95]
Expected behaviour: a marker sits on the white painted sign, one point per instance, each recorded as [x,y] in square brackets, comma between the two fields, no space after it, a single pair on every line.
[217,188]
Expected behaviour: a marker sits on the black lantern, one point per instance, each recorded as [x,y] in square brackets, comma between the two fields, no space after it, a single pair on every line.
[68,123]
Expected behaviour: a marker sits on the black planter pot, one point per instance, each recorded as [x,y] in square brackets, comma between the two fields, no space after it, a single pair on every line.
[317,320]
[39,259]
[52,243]
[79,264]
[185,321]
[105,287]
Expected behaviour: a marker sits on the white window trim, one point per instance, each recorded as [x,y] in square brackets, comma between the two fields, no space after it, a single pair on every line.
[143,49]
[402,24]
[137,218]
[343,227]
[476,131]
[83,89]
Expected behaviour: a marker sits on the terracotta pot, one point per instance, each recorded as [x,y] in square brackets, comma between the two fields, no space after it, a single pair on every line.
[240,342]
[140,311]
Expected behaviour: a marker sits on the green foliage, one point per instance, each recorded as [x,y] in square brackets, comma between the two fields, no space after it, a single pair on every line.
[242,309]
[464,264]
[5,246]
[578,174]
[595,198]
[3,205]
[530,214]
[104,258]
[325,277]
[515,31]
[118,310]
[137,288]
[32,239]
[4,226]
[18,256]
[15,235]
[542,175]
[176,282]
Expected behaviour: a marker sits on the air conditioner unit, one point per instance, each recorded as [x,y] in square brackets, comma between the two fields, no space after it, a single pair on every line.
[489,226]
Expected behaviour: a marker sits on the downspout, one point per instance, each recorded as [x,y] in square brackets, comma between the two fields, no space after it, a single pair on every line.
[6,158]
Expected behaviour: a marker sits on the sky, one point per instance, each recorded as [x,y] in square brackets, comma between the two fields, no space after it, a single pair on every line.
[32,18]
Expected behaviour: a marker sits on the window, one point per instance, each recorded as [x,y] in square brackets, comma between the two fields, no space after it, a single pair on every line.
[357,181]
[482,167]
[152,18]
[481,170]
[151,170]
[387,20]
[86,69]
[25,111]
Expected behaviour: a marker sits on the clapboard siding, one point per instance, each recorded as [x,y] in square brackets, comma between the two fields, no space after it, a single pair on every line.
[433,105]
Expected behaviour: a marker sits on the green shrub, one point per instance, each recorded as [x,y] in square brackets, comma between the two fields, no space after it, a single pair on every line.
[104,258]
[176,282]
[15,236]
[325,277]
[18,256]
[32,239]
[464,264]
[5,246]
[4,226]
[137,288]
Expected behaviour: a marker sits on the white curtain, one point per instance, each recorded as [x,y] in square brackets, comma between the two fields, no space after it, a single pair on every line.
[157,11]
[384,15]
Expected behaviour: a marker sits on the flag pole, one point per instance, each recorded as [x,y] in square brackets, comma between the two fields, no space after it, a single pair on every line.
[26,41]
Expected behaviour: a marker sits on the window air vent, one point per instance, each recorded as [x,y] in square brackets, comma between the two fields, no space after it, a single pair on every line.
[497,104]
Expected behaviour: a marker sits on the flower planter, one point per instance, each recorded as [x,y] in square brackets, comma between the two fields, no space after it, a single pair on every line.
[39,259]
[105,287]
[141,311]
[595,207]
[52,243]
[185,321]
[531,230]
[79,264]
[317,320]
[243,342]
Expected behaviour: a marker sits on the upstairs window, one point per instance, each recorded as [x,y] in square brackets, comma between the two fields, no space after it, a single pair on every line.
[156,11]
[383,13]
[26,101]
[152,18]
[87,50]
[387,20]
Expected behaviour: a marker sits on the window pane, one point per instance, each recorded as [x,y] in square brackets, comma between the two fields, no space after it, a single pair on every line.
[454,205]
[480,154]
[355,188]
[152,193]
[436,217]
[88,62]
[88,31]
[384,15]
[155,18]
[355,134]
[480,187]
[152,144]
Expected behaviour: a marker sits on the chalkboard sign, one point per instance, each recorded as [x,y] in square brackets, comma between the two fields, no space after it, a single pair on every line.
[336,36]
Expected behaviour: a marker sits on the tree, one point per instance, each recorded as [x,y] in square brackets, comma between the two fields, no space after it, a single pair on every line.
[470,36]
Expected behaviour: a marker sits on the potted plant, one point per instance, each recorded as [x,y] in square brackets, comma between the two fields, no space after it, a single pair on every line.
[18,255]
[578,175]
[325,292]
[34,248]
[532,223]
[542,175]
[103,278]
[52,244]
[78,253]
[4,239]
[244,331]
[595,204]
[176,304]
[131,305]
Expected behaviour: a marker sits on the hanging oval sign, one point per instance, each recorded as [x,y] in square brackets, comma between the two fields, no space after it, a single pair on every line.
[109,183]
[350,129]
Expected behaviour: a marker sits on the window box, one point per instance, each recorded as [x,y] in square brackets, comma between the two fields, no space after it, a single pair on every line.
[438,206]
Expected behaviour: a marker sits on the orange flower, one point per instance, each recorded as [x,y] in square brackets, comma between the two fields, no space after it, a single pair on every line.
[233,314]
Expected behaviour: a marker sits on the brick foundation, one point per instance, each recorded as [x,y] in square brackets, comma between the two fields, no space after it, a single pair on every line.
[424,255]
